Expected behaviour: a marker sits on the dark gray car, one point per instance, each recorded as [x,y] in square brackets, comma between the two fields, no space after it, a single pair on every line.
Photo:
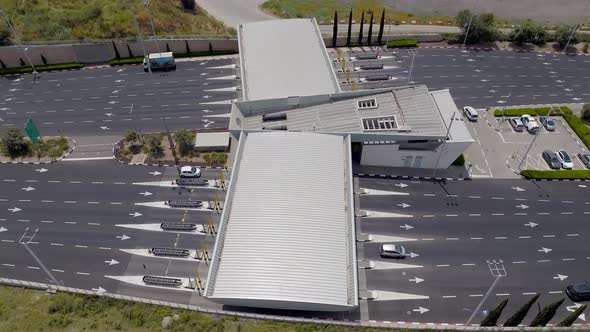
[551,159]
[391,250]
[585,158]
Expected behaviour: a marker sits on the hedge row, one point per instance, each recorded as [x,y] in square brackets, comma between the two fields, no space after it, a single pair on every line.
[28,69]
[402,43]
[530,111]
[561,174]
[139,59]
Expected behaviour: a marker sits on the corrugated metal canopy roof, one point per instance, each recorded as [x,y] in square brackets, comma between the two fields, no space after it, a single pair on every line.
[286,238]
[281,58]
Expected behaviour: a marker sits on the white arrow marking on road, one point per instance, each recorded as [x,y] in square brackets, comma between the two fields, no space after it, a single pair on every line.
[546,63]
[492,91]
[13,89]
[120,70]
[205,83]
[112,261]
[561,277]
[41,170]
[401,185]
[416,280]
[582,185]
[484,80]
[99,290]
[531,224]
[29,188]
[406,226]
[501,101]
[517,188]
[421,310]
[568,89]
[123,237]
[202,63]
[413,255]
[207,111]
[404,205]
[119,81]
[135,214]
[155,173]
[109,114]
[522,206]
[203,74]
[146,193]
[14,209]
[113,102]
[4,108]
[116,91]
[105,128]
[206,96]
[8,99]
[559,81]
[572,308]
[2,229]
[470,60]
[545,250]
[576,98]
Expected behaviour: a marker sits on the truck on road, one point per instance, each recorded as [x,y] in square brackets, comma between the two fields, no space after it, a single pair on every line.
[159,61]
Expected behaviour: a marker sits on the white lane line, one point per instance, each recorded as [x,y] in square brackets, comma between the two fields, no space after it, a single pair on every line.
[520,199]
[115,203]
[567,213]
[468,264]
[497,214]
[568,259]
[476,238]
[443,265]
[549,235]
[500,238]
[9,180]
[79,246]
[83,273]
[543,261]
[70,222]
[428,239]
[46,201]
[524,237]
[56,270]
[502,294]
[543,213]
[519,262]
[120,183]
[474,196]
[475,214]
[93,202]
[57,244]
[33,267]
[70,202]
[449,296]
[76,182]
[54,181]
[24,200]
[567,202]
[556,292]
[94,223]
[430,195]
[32,181]
[497,197]
[9,265]
[476,295]
[543,200]
[428,216]
[533,293]
[451,215]
[575,234]
[520,214]
[97,182]
[452,239]
[454,196]
[47,221]
[104,248]
[9,241]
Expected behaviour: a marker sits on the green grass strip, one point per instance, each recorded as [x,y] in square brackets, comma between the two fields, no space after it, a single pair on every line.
[556,174]
[402,43]
[41,68]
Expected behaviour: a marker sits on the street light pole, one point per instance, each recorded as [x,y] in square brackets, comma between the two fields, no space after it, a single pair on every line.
[469,25]
[574,30]
[411,67]
[19,43]
[146,3]
[443,145]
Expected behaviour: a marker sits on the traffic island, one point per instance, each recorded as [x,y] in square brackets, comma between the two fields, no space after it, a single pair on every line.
[15,148]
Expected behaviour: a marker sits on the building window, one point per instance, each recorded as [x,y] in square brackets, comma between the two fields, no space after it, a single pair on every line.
[365,104]
[379,123]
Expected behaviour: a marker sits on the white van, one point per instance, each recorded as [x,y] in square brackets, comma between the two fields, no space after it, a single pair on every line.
[470,113]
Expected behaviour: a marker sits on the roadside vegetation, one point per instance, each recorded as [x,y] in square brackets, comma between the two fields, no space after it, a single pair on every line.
[14,144]
[105,19]
[402,43]
[41,68]
[156,146]
[32,310]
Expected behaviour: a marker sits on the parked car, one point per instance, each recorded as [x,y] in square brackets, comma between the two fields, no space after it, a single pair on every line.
[551,159]
[585,158]
[516,124]
[564,158]
[547,122]
[190,172]
[470,113]
[391,250]
[529,123]
[578,292]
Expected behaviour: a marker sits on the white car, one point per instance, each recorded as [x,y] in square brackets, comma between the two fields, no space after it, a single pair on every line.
[190,172]
[529,123]
[470,113]
[564,158]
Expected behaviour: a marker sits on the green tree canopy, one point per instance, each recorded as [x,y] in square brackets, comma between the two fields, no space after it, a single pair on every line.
[479,28]
[132,136]
[184,138]
[14,144]
[529,33]
[564,34]
[154,143]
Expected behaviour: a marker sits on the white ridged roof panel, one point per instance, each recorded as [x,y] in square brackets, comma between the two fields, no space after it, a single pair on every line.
[286,236]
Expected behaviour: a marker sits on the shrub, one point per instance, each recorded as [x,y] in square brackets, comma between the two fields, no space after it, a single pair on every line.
[126,61]
[215,157]
[493,316]
[529,33]
[586,112]
[154,144]
[402,43]
[28,69]
[184,138]
[132,136]
[531,111]
[14,144]
[565,34]
[546,314]
[571,318]
[556,174]
[460,161]
[188,4]
[519,316]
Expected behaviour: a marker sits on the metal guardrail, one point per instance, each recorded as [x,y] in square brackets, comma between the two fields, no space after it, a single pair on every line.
[173,252]
[185,203]
[192,182]
[162,281]
[178,226]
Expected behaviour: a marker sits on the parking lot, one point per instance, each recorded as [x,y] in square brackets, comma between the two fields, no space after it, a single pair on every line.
[500,151]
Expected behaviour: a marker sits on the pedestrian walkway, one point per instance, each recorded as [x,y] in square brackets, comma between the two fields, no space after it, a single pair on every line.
[452,173]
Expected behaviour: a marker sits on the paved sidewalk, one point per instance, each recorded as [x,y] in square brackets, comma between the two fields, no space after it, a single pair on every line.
[452,173]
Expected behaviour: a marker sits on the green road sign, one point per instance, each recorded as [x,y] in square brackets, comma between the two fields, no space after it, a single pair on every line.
[32,131]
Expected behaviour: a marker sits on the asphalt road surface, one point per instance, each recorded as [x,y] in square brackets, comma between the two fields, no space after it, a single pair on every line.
[528,235]
[482,78]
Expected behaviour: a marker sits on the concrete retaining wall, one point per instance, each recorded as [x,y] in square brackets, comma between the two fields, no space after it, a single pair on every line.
[104,52]
[424,38]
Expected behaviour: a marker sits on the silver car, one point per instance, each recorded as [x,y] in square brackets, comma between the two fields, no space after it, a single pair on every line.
[585,158]
[547,122]
[391,250]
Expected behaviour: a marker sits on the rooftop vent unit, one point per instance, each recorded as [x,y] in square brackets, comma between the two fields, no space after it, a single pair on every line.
[274,117]
[366,104]
[372,66]
[366,56]
[379,123]
[383,77]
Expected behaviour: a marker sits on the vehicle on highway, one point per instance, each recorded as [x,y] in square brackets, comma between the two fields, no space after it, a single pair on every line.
[585,158]
[470,113]
[516,124]
[190,172]
[578,292]
[159,61]
[551,159]
[391,250]
[565,160]
[547,122]
[529,123]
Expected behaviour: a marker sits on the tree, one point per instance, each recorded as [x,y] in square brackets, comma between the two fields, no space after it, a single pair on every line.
[335,29]
[154,143]
[493,316]
[117,55]
[519,316]
[133,136]
[361,28]
[478,28]
[13,143]
[571,318]
[529,33]
[4,35]
[566,34]
[381,26]
[349,28]
[586,112]
[188,4]
[546,314]
[184,139]
[370,36]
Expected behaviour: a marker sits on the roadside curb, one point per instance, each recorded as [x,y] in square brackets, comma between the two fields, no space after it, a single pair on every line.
[409,177]
[44,162]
